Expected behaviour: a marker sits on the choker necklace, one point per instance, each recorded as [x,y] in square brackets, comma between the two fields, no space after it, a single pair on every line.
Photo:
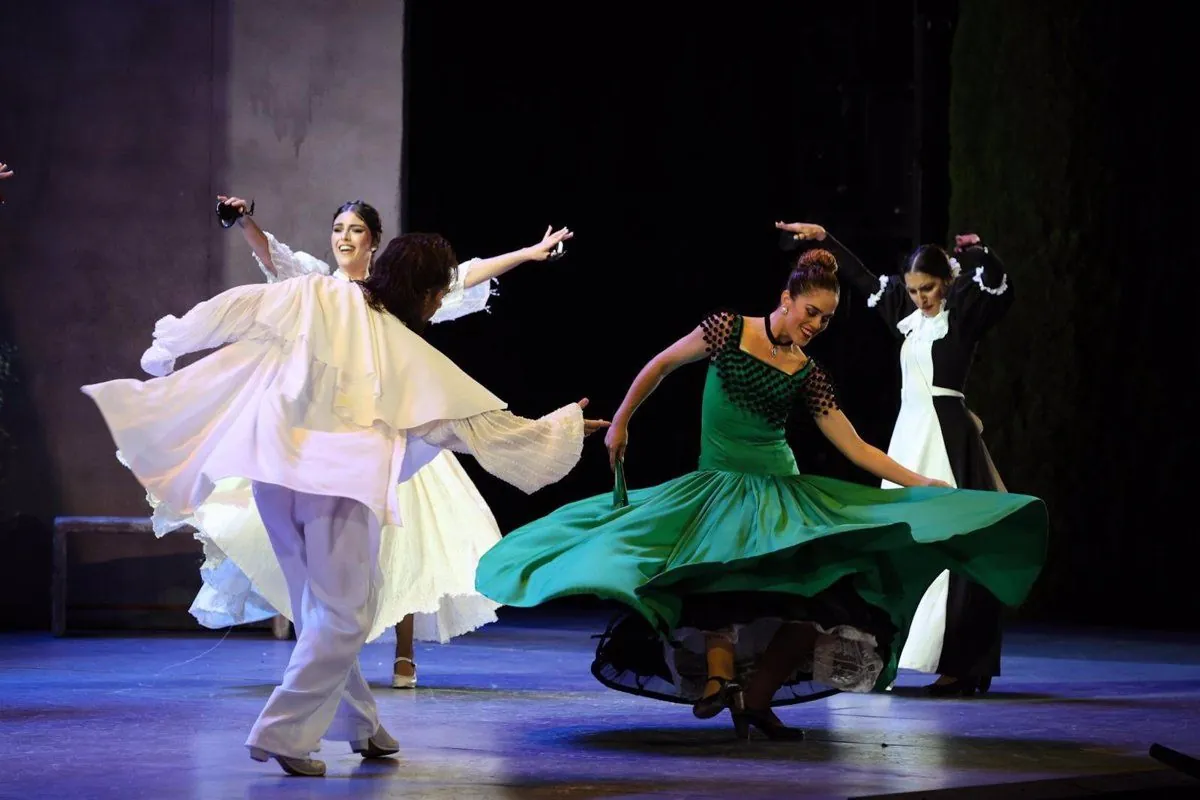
[775,343]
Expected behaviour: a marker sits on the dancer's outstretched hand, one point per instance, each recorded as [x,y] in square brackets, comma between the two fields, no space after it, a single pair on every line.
[541,250]
[615,440]
[965,240]
[802,230]
[236,202]
[5,171]
[590,426]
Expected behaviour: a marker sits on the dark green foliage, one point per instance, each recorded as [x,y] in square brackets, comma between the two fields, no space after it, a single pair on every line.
[1064,143]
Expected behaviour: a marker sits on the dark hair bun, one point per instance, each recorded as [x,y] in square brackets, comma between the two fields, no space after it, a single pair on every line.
[815,269]
[818,261]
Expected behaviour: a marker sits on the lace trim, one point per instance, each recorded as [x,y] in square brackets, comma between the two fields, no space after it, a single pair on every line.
[820,396]
[847,659]
[999,290]
[759,388]
[844,657]
[874,299]
[955,268]
[718,329]
[754,385]
[923,328]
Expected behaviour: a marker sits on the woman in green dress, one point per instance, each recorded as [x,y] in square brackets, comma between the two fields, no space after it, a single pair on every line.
[748,584]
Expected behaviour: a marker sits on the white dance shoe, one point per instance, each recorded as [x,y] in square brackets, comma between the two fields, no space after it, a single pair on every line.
[300,767]
[378,746]
[404,681]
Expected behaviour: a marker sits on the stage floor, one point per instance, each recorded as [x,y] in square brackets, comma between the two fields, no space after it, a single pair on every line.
[512,712]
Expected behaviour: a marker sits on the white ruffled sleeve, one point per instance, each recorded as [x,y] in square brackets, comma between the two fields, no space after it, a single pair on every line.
[529,454]
[984,294]
[224,318]
[461,301]
[289,263]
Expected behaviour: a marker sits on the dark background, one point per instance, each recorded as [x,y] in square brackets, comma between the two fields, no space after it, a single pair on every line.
[671,141]
[670,144]
[672,138]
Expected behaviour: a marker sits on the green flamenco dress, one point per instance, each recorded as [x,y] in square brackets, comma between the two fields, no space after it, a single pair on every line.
[746,542]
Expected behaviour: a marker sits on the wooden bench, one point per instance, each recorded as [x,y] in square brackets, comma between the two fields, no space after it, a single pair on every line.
[113,572]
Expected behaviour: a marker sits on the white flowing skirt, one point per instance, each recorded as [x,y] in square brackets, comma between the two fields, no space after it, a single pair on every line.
[428,564]
[917,444]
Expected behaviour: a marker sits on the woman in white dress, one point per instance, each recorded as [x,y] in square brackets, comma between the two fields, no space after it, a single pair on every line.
[940,317]
[324,396]
[429,574]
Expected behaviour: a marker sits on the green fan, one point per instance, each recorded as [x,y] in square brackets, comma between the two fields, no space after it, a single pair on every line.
[620,493]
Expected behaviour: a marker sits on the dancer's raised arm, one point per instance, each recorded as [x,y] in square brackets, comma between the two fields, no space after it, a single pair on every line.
[472,288]
[821,399]
[255,236]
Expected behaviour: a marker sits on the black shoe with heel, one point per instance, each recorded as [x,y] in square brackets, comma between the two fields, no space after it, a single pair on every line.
[770,727]
[709,706]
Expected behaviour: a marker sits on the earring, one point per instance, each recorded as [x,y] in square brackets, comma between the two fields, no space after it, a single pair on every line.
[784,309]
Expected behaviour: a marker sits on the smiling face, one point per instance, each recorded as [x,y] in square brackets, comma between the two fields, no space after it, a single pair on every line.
[926,291]
[352,244]
[808,314]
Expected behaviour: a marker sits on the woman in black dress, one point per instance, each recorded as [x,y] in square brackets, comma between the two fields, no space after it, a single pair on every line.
[939,315]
